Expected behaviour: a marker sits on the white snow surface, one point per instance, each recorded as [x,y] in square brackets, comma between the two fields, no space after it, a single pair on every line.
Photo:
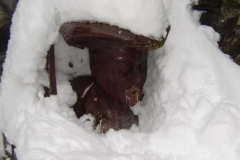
[191,108]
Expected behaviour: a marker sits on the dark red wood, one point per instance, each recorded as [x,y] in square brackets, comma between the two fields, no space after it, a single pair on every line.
[118,62]
[51,71]
[102,36]
[79,85]
[116,84]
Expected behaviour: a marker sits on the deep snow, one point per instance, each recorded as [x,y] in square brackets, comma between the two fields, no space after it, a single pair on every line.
[191,108]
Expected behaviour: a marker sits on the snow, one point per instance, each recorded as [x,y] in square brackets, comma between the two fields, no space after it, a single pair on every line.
[191,108]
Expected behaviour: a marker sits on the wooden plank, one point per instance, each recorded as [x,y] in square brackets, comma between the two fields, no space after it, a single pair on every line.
[51,71]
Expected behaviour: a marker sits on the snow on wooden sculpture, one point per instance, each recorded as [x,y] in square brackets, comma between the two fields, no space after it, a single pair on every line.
[191,104]
[118,60]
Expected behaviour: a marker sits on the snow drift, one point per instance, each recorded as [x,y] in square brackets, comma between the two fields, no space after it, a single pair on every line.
[191,108]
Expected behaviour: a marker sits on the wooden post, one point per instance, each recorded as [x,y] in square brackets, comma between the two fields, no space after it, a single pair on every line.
[52,90]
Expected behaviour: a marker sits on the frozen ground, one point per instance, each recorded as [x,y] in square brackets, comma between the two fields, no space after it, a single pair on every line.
[191,108]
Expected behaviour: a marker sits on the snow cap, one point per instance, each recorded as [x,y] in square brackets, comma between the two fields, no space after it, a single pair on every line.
[100,36]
